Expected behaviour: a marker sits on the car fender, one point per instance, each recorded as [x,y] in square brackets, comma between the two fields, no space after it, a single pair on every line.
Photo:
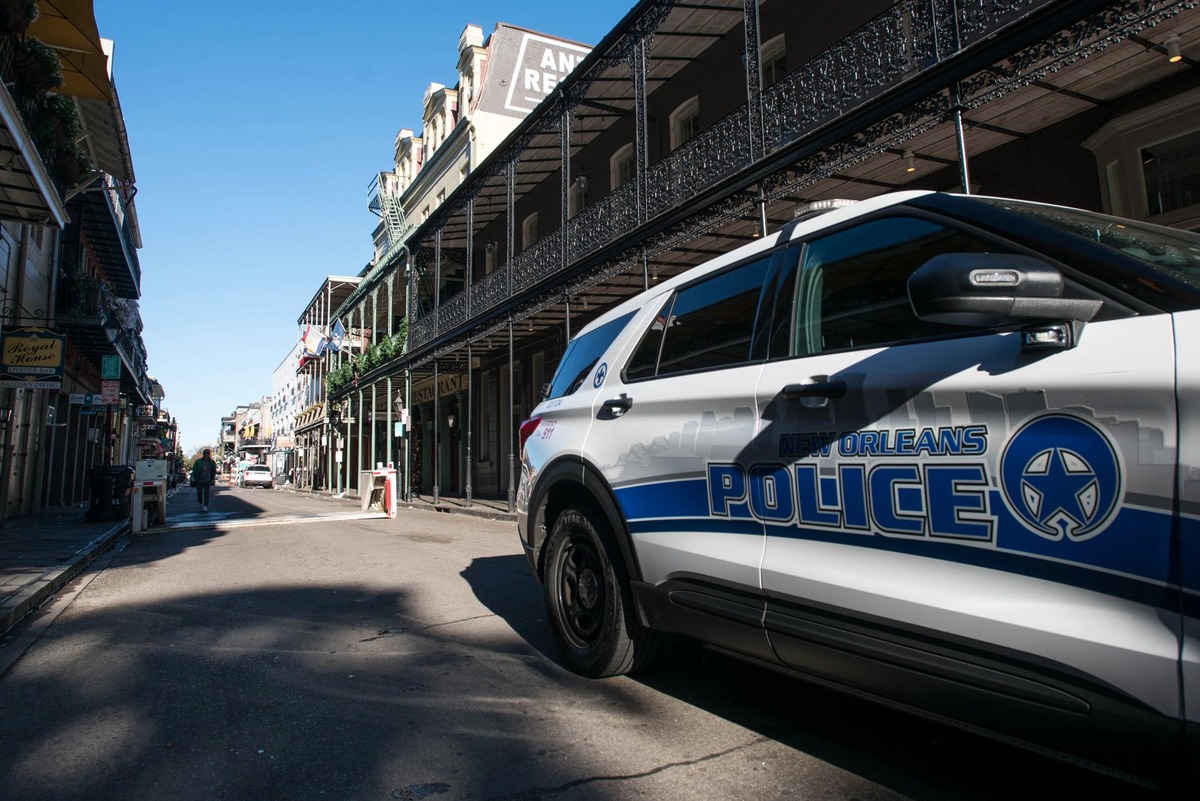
[571,479]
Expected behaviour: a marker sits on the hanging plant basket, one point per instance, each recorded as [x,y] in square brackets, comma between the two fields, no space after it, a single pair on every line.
[15,15]
[36,68]
[54,121]
[67,168]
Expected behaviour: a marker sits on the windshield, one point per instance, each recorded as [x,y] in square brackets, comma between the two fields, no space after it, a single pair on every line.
[582,355]
[1165,249]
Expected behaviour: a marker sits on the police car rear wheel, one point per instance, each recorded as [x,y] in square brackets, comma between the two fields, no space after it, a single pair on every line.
[594,626]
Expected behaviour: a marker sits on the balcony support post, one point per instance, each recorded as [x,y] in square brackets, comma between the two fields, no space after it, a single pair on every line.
[754,128]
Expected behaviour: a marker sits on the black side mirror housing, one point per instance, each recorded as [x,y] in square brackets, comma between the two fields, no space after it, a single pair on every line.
[992,289]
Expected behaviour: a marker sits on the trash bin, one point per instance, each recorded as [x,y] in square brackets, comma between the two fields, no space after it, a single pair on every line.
[110,492]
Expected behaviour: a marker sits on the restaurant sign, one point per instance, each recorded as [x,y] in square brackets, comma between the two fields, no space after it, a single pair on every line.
[31,358]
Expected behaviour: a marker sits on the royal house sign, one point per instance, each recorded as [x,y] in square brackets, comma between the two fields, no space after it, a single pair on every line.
[31,358]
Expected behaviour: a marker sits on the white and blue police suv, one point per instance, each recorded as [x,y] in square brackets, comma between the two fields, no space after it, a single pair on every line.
[941,451]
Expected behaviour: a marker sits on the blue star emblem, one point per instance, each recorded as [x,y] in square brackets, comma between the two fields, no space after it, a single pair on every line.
[1061,491]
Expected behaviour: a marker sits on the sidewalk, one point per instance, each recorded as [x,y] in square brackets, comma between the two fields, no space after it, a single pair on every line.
[42,552]
[490,508]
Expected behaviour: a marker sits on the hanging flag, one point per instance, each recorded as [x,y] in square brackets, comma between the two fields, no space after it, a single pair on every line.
[336,334]
[313,336]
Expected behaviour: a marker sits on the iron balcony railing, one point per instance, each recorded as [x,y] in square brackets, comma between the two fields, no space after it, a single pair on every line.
[874,68]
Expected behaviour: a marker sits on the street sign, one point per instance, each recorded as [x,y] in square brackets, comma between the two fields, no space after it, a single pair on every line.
[109,392]
[110,367]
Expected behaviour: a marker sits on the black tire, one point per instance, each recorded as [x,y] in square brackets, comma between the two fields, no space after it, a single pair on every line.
[587,600]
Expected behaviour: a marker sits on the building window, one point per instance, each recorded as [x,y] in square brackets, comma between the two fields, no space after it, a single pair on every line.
[1149,162]
[620,166]
[773,59]
[489,256]
[529,230]
[577,195]
[685,122]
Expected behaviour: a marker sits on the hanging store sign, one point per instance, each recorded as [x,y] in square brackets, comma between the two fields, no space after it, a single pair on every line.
[446,385]
[110,366]
[31,358]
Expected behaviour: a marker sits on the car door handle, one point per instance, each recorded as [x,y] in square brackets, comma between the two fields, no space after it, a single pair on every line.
[618,406]
[819,389]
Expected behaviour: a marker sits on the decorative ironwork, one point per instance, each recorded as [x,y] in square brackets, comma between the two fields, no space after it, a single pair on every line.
[861,67]
[491,290]
[1080,40]
[875,139]
[510,180]
[718,152]
[537,261]
[637,68]
[469,271]
[564,171]
[868,66]
[453,312]
[977,19]
[420,331]
[8,312]
[602,221]
[753,78]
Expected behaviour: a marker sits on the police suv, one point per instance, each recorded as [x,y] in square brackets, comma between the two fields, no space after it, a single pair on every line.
[940,451]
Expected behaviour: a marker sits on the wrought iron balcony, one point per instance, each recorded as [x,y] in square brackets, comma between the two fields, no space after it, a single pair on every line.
[883,82]
[110,230]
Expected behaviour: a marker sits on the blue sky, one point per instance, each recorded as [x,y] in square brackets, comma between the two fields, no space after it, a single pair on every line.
[255,129]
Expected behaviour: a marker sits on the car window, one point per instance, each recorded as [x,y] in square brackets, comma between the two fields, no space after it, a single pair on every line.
[582,354]
[1165,249]
[705,325]
[851,290]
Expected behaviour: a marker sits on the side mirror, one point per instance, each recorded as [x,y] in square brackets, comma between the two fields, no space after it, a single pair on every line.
[990,289]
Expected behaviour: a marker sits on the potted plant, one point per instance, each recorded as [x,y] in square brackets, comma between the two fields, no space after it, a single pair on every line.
[15,15]
[36,67]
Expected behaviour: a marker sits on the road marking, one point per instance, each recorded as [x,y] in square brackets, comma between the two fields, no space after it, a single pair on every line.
[274,521]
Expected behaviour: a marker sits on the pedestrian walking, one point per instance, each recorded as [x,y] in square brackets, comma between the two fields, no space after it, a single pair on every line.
[204,472]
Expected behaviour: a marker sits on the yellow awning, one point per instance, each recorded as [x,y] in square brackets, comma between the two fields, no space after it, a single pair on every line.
[69,26]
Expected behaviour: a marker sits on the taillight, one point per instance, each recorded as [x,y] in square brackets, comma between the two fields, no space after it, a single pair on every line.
[527,429]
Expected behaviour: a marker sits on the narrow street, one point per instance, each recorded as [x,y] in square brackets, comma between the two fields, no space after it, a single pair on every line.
[273,657]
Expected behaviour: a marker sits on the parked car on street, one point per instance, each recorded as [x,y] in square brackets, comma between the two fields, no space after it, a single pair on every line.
[256,475]
[934,450]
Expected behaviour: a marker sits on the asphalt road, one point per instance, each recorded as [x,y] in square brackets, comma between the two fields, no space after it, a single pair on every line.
[289,653]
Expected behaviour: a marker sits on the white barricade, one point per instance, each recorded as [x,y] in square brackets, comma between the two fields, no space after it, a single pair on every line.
[377,490]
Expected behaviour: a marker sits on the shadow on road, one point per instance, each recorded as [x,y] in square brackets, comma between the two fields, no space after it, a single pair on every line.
[908,754]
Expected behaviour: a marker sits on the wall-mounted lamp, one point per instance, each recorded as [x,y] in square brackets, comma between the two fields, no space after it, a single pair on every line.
[1171,43]
[910,161]
[530,326]
[450,420]
[583,298]
[582,182]
[398,402]
[654,274]
[490,247]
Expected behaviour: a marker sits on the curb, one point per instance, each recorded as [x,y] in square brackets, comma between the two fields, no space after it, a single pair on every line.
[484,512]
[36,592]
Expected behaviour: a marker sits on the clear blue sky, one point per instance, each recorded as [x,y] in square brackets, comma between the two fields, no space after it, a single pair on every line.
[255,128]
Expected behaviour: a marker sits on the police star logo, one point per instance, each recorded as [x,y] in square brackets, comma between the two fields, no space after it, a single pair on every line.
[1061,477]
